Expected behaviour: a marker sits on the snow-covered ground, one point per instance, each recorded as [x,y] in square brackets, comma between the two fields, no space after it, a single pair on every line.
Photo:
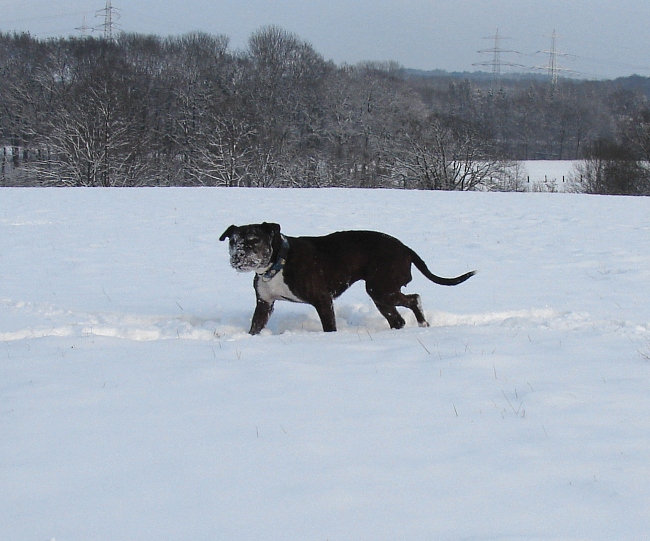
[134,406]
[547,173]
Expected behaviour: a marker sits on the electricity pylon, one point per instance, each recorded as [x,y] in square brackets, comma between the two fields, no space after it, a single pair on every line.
[553,68]
[110,14]
[496,51]
[84,28]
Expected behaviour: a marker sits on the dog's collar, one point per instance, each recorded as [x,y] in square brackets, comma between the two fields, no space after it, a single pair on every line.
[280,261]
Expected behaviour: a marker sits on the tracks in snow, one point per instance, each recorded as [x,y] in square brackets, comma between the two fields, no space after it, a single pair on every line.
[23,320]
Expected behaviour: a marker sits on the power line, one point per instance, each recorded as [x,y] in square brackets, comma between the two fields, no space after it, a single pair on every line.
[43,17]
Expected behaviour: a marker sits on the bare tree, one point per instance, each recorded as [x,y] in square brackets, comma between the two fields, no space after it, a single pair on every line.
[437,155]
[286,92]
[611,169]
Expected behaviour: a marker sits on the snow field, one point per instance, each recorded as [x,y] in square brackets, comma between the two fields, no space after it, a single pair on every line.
[541,172]
[133,405]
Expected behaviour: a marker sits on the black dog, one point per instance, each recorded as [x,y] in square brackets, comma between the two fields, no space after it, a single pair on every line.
[316,270]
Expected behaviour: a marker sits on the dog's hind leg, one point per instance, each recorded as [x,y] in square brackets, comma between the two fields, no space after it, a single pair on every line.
[415,304]
[392,315]
[386,304]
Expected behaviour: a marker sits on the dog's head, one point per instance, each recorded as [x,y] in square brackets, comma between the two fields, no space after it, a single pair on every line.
[251,246]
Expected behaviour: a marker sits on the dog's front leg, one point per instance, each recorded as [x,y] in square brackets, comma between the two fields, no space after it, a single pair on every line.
[325,309]
[261,316]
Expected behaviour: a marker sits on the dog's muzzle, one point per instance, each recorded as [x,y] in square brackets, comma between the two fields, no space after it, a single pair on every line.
[246,260]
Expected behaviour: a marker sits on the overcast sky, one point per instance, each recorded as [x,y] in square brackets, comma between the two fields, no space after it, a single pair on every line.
[596,38]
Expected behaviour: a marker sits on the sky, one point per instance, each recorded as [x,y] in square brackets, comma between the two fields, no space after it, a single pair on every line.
[596,39]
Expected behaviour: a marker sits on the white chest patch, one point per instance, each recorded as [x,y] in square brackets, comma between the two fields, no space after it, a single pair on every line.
[275,289]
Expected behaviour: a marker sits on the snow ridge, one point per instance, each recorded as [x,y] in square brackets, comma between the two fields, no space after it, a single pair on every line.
[55,321]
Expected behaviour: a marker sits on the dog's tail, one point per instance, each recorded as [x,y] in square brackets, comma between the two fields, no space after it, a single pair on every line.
[422,267]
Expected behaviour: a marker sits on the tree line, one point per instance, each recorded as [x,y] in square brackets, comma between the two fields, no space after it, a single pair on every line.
[188,111]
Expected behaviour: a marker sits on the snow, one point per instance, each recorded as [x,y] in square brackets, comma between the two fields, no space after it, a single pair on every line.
[548,172]
[134,405]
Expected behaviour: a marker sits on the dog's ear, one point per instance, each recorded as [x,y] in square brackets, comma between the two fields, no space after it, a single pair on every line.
[226,234]
[273,229]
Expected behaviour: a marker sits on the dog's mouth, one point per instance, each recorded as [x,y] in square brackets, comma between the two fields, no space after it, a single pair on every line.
[245,259]
[247,262]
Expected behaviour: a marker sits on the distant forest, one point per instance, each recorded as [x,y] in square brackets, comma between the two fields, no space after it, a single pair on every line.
[189,111]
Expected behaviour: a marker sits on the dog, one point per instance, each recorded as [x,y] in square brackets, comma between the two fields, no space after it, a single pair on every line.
[316,270]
